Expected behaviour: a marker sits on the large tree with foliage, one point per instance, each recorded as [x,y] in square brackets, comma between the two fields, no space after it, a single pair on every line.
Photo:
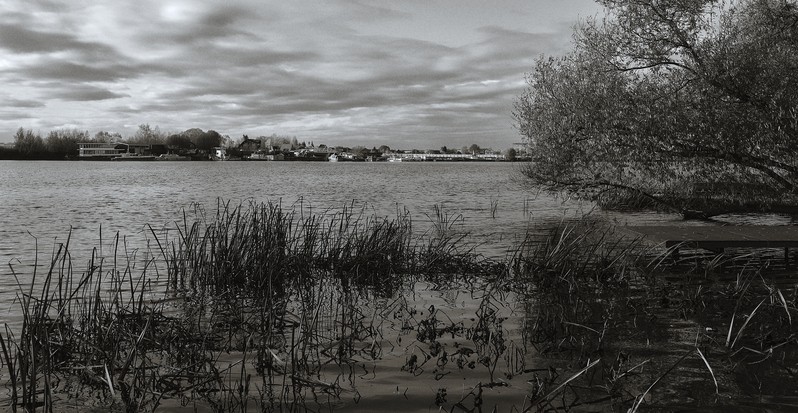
[661,97]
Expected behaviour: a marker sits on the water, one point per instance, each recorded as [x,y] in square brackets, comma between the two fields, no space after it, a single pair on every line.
[46,199]
[40,202]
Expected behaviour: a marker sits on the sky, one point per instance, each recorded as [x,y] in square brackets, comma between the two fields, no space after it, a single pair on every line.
[406,73]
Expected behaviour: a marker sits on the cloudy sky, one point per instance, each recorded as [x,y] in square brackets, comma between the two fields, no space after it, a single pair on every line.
[409,73]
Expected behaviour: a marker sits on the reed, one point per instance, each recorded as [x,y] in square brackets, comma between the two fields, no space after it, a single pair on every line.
[262,307]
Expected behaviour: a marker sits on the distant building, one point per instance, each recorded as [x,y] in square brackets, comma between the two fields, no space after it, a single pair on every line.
[99,150]
[145,149]
[249,145]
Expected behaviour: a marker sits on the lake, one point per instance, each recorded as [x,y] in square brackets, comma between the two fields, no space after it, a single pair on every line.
[41,202]
[46,199]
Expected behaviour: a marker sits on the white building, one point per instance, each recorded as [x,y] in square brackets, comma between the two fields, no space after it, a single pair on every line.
[98,150]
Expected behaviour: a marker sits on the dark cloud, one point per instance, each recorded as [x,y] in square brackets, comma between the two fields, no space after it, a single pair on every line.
[77,72]
[14,115]
[20,39]
[22,103]
[85,93]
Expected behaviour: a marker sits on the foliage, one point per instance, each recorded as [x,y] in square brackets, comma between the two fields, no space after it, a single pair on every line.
[207,140]
[148,135]
[28,143]
[64,142]
[179,141]
[474,149]
[510,154]
[107,137]
[663,95]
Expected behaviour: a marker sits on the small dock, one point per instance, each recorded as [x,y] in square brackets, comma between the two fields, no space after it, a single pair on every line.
[717,238]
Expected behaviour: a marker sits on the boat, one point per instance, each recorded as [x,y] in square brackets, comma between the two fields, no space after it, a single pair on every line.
[333,158]
[394,159]
[172,157]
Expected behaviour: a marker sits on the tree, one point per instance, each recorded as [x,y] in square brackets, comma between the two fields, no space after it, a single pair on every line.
[107,137]
[662,94]
[29,144]
[148,135]
[510,154]
[359,151]
[474,149]
[384,149]
[64,142]
[178,141]
[206,141]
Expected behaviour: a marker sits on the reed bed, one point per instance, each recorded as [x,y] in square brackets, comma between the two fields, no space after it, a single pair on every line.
[244,309]
[260,307]
[262,248]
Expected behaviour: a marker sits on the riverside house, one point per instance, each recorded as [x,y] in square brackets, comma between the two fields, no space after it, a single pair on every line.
[99,150]
[109,150]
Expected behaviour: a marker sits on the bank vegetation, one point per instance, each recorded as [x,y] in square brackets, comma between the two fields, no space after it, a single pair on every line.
[689,106]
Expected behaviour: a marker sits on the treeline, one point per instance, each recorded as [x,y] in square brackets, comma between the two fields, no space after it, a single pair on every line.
[58,144]
[64,143]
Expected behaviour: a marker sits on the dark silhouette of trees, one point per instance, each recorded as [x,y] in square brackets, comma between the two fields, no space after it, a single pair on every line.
[510,154]
[205,141]
[63,143]
[474,149]
[179,141]
[29,144]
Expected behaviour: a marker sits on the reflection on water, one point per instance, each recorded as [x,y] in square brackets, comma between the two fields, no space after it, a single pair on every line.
[583,331]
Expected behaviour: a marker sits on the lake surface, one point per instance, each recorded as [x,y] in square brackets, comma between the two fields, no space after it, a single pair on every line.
[46,199]
[41,202]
